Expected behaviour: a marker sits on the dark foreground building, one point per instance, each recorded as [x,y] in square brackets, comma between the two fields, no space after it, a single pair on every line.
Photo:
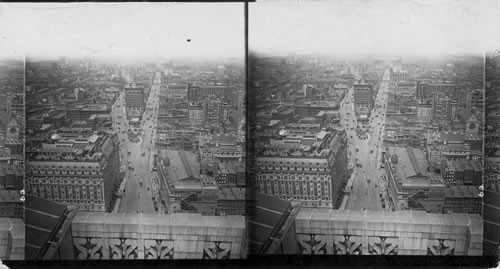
[48,229]
[271,226]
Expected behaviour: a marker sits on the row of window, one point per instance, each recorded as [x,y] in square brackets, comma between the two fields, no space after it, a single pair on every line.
[310,202]
[292,168]
[93,181]
[292,177]
[296,184]
[60,191]
[43,167]
[70,200]
[314,189]
[63,172]
[304,198]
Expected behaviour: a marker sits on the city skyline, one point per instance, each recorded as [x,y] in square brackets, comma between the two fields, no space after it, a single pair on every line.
[131,30]
[355,28]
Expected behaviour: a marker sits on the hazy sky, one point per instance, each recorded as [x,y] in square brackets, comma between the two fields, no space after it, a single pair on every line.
[380,27]
[123,30]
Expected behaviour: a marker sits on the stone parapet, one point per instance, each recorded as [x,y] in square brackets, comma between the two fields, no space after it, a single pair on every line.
[152,236]
[12,239]
[328,231]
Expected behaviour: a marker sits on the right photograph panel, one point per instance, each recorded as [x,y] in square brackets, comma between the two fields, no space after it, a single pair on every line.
[367,127]
[491,245]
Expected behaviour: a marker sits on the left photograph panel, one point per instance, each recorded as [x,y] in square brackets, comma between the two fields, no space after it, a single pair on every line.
[12,123]
[135,130]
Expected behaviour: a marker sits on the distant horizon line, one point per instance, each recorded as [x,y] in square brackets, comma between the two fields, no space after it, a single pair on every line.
[366,54]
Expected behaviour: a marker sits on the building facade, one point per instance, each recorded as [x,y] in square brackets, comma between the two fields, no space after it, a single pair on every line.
[81,172]
[462,199]
[363,98]
[424,111]
[196,114]
[313,174]
[134,100]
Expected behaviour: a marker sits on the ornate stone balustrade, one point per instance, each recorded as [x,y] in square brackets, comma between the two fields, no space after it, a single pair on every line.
[12,238]
[348,232]
[151,236]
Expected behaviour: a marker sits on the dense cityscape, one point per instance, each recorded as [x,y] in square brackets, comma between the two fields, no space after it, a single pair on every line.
[12,157]
[160,138]
[367,129]
[491,202]
[135,150]
[155,138]
[377,135]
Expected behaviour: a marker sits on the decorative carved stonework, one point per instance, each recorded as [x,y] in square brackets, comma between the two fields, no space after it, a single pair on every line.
[311,244]
[218,251]
[441,247]
[88,248]
[158,249]
[382,245]
[347,245]
[123,249]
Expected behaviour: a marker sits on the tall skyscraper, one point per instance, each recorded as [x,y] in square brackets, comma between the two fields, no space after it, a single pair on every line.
[134,101]
[363,98]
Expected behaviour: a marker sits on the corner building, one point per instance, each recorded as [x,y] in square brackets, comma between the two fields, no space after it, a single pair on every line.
[363,99]
[134,101]
[76,171]
[309,168]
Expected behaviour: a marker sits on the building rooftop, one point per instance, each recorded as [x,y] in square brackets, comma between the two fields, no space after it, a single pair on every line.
[4,152]
[362,84]
[459,166]
[10,169]
[462,191]
[225,138]
[297,145]
[89,147]
[475,165]
[411,168]
[289,110]
[450,166]
[264,114]
[231,167]
[183,164]
[411,161]
[46,127]
[133,87]
[352,219]
[232,194]
[322,103]
[304,126]
[90,107]
[184,170]
[452,137]
[59,115]
[213,86]
[79,130]
[472,137]
[14,235]
[10,196]
[35,117]
[406,83]
[455,148]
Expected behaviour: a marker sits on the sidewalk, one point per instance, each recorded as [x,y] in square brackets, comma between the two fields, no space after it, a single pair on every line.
[344,202]
[347,192]
[117,205]
[121,189]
